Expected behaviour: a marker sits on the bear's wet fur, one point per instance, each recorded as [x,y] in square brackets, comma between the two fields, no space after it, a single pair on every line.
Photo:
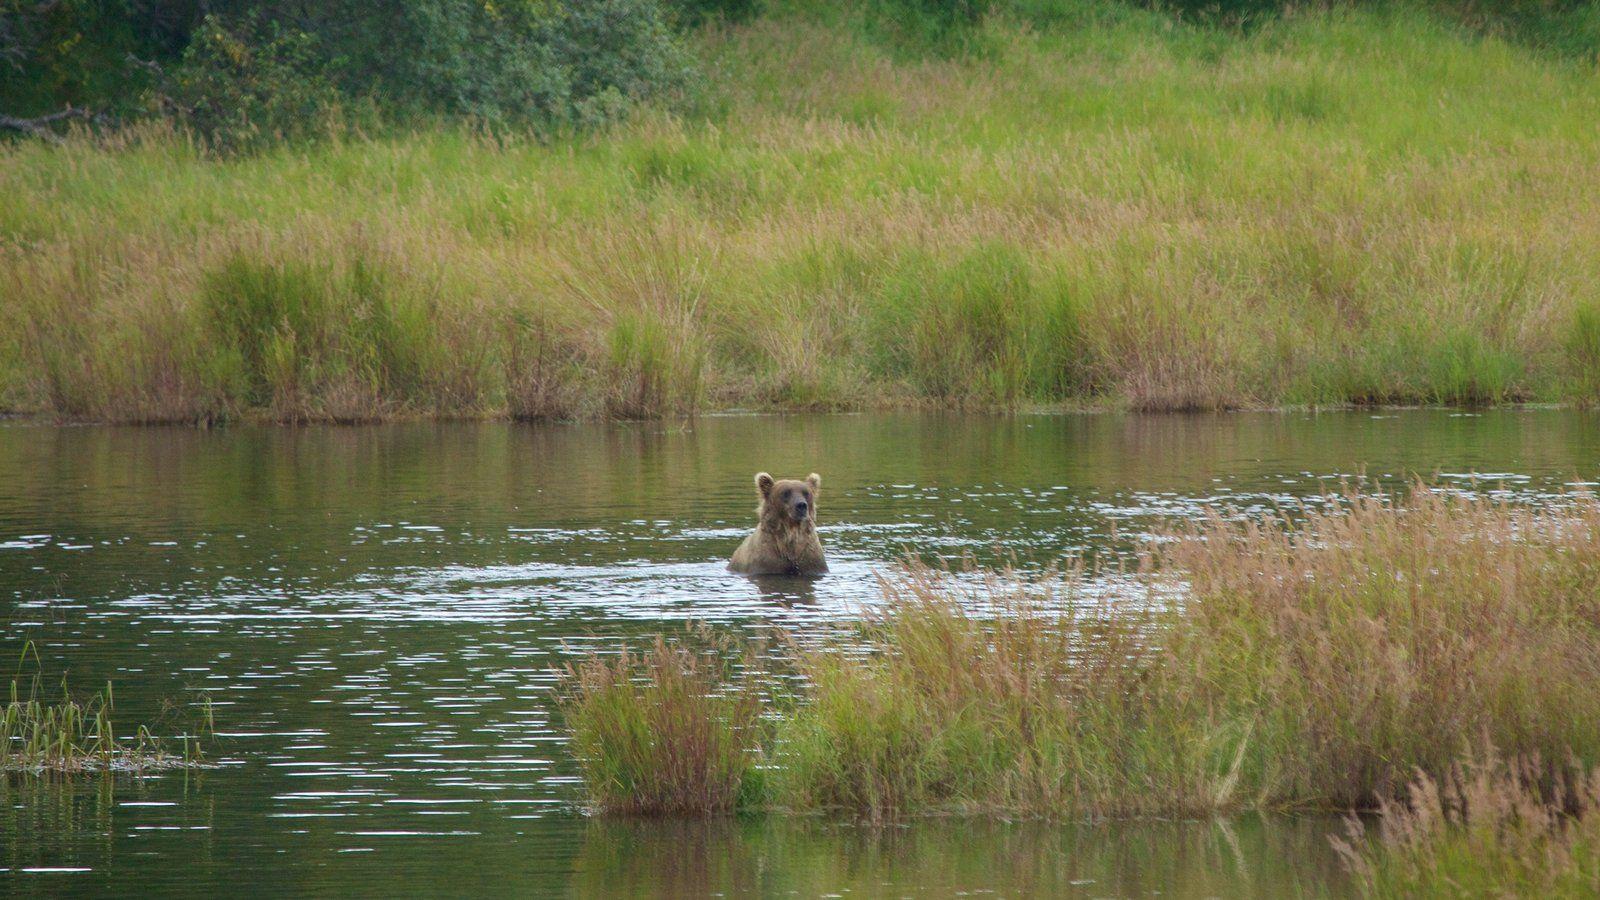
[785,540]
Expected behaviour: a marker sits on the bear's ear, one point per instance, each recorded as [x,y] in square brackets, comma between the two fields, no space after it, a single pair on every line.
[763,483]
[815,481]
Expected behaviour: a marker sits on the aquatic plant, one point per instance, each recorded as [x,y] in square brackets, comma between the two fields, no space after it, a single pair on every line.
[669,730]
[71,736]
[1313,658]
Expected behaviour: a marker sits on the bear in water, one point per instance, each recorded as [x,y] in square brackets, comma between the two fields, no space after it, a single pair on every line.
[785,540]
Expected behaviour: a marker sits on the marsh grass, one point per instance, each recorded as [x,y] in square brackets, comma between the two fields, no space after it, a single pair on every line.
[1385,634]
[669,730]
[73,736]
[1312,659]
[1040,705]
[1097,205]
[1487,826]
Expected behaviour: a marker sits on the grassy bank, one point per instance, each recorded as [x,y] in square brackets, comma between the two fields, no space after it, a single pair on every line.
[1084,203]
[1317,663]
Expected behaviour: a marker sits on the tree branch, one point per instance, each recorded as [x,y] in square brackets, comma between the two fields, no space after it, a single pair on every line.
[39,126]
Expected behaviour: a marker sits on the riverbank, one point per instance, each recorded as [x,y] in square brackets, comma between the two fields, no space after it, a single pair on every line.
[1103,208]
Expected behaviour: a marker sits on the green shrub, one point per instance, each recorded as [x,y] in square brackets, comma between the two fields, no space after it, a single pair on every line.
[238,70]
[82,52]
[242,86]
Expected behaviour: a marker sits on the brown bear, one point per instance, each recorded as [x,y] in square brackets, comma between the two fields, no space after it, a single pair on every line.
[785,540]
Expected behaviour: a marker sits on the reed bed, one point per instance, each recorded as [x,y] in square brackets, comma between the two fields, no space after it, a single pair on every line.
[1096,205]
[1315,659]
[76,736]
[667,730]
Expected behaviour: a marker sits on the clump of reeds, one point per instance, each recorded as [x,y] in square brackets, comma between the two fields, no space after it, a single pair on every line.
[1488,826]
[1025,698]
[72,736]
[670,730]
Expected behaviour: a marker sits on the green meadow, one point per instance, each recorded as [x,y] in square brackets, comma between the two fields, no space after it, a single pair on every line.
[1074,204]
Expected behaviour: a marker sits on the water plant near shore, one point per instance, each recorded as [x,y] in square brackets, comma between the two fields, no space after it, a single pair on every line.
[676,741]
[1312,659]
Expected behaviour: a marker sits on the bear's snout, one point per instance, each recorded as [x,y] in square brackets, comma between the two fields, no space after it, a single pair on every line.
[800,509]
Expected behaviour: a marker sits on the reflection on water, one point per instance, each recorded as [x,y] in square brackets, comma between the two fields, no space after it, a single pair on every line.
[375,614]
[943,858]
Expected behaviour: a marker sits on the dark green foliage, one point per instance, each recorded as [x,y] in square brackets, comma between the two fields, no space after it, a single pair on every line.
[239,69]
[920,25]
[238,88]
[509,63]
[85,52]
[614,52]
[696,12]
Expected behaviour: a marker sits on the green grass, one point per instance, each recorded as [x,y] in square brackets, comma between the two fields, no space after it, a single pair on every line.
[677,741]
[1317,661]
[1083,203]
[76,735]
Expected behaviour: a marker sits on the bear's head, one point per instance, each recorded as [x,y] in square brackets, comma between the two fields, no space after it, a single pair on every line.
[789,502]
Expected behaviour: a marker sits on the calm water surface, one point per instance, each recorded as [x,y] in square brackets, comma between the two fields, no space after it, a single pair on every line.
[375,613]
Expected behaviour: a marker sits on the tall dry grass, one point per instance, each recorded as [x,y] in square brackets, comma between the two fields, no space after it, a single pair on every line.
[1097,206]
[1318,658]
[1382,636]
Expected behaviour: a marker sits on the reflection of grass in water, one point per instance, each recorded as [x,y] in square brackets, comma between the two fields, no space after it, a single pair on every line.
[71,736]
[808,857]
[1488,826]
[1316,662]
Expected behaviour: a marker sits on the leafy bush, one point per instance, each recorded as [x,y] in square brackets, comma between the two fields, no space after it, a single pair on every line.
[239,69]
[85,52]
[500,63]
[240,86]
[696,12]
